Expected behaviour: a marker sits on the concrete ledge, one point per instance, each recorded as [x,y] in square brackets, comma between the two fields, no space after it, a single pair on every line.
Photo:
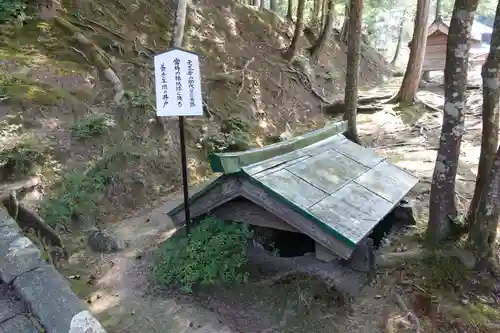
[40,286]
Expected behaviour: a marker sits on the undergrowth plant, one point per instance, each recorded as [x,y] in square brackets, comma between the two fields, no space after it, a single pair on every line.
[77,193]
[11,10]
[90,126]
[214,251]
[22,159]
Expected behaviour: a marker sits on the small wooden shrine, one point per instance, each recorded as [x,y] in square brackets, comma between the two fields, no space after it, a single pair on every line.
[319,184]
[437,39]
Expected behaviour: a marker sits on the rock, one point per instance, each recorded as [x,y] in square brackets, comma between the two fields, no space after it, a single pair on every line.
[103,241]
[404,214]
[464,301]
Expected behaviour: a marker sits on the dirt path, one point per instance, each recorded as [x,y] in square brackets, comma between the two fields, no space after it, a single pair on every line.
[124,299]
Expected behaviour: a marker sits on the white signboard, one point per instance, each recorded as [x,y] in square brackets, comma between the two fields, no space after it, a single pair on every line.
[178,84]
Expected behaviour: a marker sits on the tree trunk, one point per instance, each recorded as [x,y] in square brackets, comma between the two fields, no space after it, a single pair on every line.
[256,3]
[315,18]
[325,36]
[324,14]
[291,52]
[400,39]
[426,76]
[352,74]
[262,4]
[442,206]
[489,141]
[411,80]
[273,5]
[438,11]
[344,31]
[289,12]
[180,22]
[483,235]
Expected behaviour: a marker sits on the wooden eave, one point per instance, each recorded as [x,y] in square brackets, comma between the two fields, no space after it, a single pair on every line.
[232,186]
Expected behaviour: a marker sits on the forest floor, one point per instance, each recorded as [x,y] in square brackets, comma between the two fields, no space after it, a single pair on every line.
[444,295]
[103,163]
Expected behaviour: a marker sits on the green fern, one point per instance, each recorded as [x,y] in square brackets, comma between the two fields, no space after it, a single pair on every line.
[214,251]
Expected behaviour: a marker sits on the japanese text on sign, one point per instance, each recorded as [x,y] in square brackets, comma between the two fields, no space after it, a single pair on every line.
[164,86]
[178,84]
[191,84]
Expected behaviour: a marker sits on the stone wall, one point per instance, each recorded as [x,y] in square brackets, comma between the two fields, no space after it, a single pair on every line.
[34,297]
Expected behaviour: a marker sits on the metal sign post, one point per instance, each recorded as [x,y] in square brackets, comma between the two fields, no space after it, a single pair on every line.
[178,93]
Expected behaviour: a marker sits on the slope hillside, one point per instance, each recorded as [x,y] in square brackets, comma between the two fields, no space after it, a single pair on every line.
[77,105]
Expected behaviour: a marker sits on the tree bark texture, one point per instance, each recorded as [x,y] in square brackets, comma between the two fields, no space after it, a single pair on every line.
[491,97]
[352,74]
[291,52]
[408,91]
[315,11]
[273,5]
[437,17]
[344,31]
[442,206]
[483,234]
[325,35]
[289,12]
[400,39]
[180,22]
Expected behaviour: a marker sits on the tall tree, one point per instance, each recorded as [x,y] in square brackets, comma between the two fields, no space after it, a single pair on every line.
[437,17]
[400,39]
[273,5]
[408,91]
[426,74]
[442,206]
[291,52]
[289,12]
[483,235]
[352,74]
[326,33]
[315,11]
[344,31]
[491,100]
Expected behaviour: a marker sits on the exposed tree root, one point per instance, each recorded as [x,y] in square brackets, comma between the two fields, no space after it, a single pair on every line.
[307,83]
[333,274]
[412,318]
[97,56]
[21,186]
[429,106]
[117,34]
[370,99]
[396,259]
[338,107]
[29,220]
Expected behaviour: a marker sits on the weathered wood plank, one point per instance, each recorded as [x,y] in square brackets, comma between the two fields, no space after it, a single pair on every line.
[281,166]
[233,162]
[352,211]
[275,162]
[279,162]
[363,155]
[388,181]
[301,222]
[218,193]
[324,145]
[244,211]
[328,171]
[291,187]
